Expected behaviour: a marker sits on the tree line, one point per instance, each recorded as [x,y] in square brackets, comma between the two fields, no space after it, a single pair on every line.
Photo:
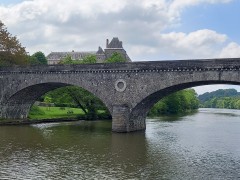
[177,103]
[222,98]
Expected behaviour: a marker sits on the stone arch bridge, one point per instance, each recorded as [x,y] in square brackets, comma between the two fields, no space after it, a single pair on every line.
[128,90]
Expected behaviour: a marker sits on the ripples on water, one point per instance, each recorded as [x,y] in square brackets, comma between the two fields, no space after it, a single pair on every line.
[204,145]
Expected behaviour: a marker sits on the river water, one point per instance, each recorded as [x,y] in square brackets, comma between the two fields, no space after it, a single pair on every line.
[204,145]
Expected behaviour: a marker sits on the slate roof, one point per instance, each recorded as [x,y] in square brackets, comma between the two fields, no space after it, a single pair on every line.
[115,43]
[100,51]
[74,55]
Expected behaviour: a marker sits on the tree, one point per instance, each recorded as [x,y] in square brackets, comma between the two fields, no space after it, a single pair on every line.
[77,97]
[48,100]
[33,60]
[179,102]
[40,57]
[91,59]
[11,50]
[116,57]
[66,60]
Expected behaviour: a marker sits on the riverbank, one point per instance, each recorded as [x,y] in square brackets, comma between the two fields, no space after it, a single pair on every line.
[40,114]
[6,122]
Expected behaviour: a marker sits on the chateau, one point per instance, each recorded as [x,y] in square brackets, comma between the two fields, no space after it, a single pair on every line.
[114,46]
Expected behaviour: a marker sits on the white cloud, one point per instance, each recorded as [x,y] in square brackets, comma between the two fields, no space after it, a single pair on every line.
[60,25]
[199,44]
[203,43]
[231,50]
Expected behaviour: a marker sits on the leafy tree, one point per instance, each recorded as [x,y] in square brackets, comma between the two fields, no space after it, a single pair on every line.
[40,57]
[179,102]
[67,60]
[32,60]
[11,50]
[48,100]
[237,104]
[77,97]
[116,57]
[222,98]
[91,59]
[218,93]
[222,102]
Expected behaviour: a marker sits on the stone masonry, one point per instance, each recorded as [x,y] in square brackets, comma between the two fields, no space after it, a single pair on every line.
[128,90]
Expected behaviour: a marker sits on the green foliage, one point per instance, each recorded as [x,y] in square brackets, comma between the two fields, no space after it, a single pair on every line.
[72,96]
[217,94]
[47,99]
[91,59]
[222,102]
[33,60]
[39,112]
[54,112]
[11,50]
[40,57]
[179,102]
[67,60]
[222,98]
[116,57]
[36,111]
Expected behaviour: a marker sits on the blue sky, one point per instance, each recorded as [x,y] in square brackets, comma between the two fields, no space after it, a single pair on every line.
[8,2]
[222,18]
[149,29]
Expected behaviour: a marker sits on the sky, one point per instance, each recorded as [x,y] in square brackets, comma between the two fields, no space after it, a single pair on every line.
[150,29]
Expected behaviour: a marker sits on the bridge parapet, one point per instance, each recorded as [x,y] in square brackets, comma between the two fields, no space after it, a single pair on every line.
[129,67]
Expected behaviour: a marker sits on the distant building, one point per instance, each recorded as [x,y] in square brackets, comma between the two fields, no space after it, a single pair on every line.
[114,46]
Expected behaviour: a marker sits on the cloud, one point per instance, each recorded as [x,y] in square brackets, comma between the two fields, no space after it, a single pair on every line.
[200,44]
[60,25]
[177,6]
[231,50]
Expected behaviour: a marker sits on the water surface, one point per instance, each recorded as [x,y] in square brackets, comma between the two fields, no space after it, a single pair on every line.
[205,145]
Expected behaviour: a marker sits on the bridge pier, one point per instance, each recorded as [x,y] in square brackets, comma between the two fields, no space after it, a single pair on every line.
[16,111]
[122,121]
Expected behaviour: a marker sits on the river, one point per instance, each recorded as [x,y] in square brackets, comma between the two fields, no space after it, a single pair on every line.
[204,145]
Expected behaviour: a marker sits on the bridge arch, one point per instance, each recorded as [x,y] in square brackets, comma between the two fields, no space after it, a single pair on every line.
[18,103]
[139,112]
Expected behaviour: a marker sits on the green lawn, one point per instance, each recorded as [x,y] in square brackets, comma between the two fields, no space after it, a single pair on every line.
[55,112]
[39,112]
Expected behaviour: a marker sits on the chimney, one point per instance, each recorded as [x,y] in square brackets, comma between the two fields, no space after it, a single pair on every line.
[107,42]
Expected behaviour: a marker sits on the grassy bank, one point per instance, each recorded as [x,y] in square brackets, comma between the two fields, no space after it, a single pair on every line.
[54,112]
[39,112]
